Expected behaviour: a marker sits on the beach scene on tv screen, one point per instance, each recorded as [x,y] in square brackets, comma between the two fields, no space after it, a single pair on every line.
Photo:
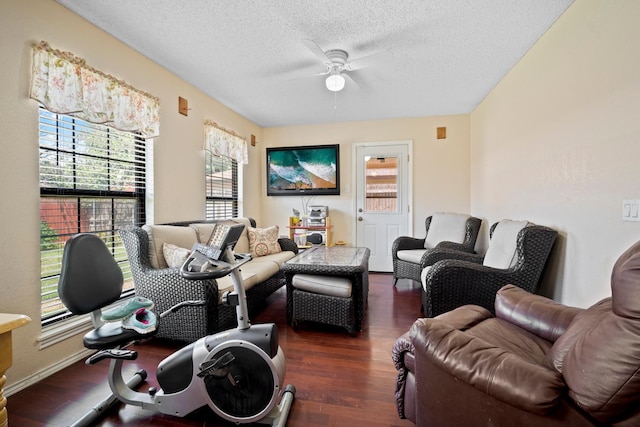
[302,169]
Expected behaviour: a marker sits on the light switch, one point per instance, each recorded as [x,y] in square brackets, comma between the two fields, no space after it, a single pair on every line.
[631,210]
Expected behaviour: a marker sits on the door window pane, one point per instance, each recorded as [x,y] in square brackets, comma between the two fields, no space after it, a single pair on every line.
[381,184]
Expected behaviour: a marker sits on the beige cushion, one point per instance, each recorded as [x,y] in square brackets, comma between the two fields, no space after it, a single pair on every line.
[279,258]
[264,241]
[411,255]
[252,273]
[225,284]
[502,247]
[204,230]
[423,276]
[184,237]
[325,285]
[174,255]
[445,226]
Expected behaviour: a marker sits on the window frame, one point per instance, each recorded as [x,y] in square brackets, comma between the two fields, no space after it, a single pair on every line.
[60,137]
[228,199]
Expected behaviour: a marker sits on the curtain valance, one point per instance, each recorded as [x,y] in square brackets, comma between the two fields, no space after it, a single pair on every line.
[222,142]
[64,84]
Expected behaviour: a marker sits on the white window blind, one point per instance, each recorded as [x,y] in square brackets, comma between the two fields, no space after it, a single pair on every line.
[92,180]
[221,184]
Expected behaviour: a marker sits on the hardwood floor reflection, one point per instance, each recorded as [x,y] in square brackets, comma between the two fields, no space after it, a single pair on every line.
[340,380]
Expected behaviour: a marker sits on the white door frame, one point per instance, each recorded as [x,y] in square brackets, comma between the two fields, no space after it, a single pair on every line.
[409,165]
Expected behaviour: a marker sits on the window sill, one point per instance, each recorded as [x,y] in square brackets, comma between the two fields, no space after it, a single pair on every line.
[63,330]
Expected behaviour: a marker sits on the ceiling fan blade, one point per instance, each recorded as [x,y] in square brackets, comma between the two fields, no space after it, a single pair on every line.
[376,58]
[315,49]
[350,80]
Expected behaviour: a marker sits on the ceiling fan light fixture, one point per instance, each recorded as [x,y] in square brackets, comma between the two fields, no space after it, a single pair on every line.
[335,82]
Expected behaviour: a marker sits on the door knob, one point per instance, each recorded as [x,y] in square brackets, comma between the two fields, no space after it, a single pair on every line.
[360,210]
[359,218]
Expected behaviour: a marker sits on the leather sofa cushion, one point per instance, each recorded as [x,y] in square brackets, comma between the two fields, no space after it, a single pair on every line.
[534,313]
[604,379]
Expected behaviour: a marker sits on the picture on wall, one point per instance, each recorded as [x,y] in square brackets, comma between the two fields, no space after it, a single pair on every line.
[303,170]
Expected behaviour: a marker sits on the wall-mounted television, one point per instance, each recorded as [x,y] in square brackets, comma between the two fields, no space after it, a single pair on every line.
[303,170]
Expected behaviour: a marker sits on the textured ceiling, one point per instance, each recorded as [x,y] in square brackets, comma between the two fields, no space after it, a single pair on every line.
[445,55]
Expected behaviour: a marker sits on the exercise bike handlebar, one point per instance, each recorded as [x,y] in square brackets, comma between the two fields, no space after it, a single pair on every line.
[200,266]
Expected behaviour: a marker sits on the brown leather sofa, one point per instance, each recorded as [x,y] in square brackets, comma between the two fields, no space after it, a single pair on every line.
[535,363]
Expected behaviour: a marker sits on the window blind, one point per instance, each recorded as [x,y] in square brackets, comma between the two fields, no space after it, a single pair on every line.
[221,184]
[92,180]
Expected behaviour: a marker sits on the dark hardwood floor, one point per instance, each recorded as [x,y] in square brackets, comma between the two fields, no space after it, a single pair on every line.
[340,380]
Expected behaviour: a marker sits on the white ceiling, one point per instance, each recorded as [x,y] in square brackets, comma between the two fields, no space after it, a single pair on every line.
[446,55]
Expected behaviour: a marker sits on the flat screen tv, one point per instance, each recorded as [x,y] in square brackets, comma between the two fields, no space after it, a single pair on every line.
[303,170]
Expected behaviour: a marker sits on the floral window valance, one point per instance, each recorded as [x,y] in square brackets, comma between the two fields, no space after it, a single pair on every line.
[64,84]
[223,142]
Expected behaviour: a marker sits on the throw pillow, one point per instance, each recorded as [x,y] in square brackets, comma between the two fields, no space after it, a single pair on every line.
[264,241]
[174,255]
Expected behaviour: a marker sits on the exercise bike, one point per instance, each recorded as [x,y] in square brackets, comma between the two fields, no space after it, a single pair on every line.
[238,373]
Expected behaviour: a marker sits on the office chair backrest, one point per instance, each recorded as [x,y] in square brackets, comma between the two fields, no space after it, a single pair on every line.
[90,277]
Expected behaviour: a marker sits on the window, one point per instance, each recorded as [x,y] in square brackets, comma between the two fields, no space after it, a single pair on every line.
[221,183]
[381,184]
[92,180]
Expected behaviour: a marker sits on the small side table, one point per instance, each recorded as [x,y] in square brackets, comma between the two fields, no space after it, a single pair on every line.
[8,322]
[338,261]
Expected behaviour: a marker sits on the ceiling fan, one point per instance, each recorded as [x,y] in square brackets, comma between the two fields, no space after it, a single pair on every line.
[338,65]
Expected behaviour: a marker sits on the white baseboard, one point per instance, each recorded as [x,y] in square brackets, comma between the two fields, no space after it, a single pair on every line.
[44,373]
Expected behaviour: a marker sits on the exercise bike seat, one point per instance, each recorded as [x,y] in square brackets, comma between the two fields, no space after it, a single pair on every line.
[91,279]
[111,335]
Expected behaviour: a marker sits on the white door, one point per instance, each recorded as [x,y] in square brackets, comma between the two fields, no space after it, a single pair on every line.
[383,198]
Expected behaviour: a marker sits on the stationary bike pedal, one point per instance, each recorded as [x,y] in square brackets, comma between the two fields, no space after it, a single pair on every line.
[216,367]
[112,353]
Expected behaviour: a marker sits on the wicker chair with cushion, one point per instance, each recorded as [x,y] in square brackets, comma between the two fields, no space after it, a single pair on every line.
[535,363]
[166,287]
[517,254]
[444,232]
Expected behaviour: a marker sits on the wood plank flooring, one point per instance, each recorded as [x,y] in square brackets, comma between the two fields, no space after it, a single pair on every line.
[340,380]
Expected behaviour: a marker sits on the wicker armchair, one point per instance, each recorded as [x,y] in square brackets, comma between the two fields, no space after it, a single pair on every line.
[410,256]
[166,287]
[465,278]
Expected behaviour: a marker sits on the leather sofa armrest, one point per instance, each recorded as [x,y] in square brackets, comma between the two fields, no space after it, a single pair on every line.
[539,315]
[402,345]
[501,375]
[464,317]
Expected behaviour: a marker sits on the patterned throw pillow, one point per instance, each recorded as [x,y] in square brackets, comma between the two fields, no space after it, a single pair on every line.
[174,255]
[264,241]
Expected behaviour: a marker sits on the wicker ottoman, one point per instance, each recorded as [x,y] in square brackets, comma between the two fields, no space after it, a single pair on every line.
[323,299]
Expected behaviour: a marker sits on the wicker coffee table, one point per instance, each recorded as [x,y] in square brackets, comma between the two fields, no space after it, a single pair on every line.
[335,261]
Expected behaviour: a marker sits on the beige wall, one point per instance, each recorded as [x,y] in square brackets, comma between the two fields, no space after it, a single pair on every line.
[557,142]
[178,165]
[440,167]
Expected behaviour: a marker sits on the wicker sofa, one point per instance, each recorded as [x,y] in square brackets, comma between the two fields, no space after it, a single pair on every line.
[155,280]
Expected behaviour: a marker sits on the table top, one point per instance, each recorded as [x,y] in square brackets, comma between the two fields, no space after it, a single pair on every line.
[10,321]
[333,259]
